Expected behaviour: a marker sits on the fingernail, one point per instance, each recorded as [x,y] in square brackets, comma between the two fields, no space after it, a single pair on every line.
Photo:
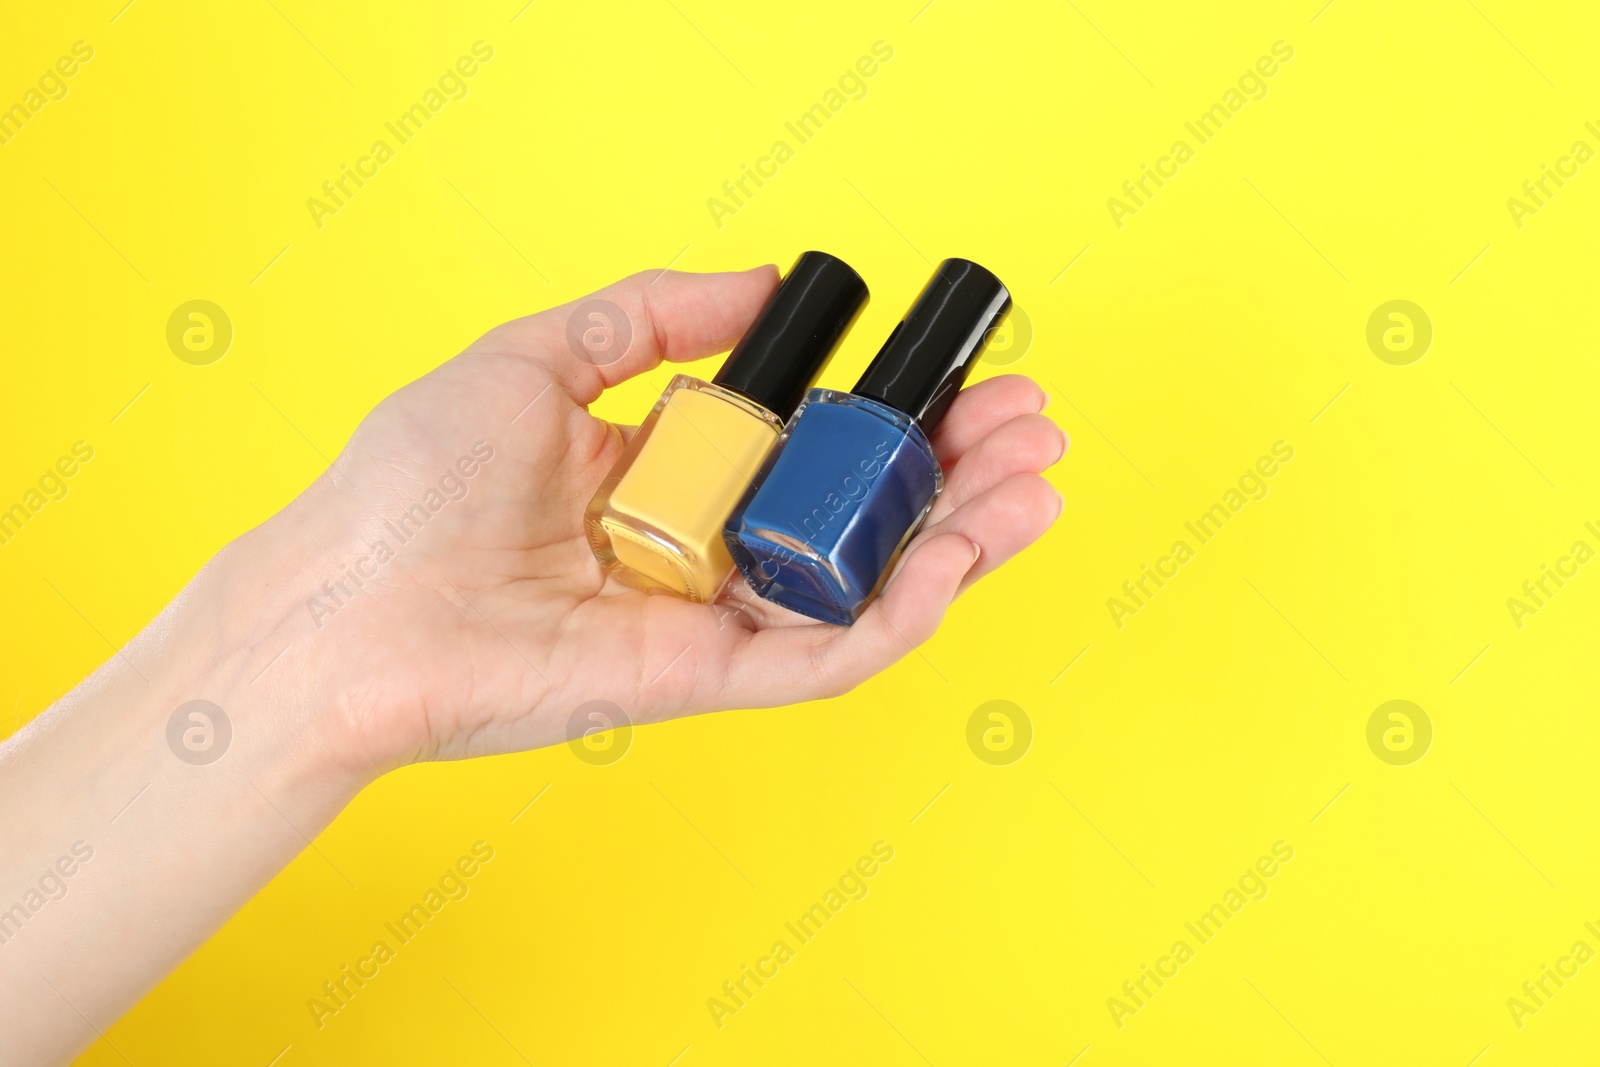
[977,551]
[1046,402]
[1061,505]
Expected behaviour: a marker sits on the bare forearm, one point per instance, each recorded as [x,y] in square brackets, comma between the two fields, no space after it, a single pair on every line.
[126,843]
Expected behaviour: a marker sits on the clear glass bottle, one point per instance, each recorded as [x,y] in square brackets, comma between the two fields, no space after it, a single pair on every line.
[656,521]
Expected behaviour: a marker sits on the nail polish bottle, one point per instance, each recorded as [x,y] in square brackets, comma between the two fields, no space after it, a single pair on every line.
[853,475]
[656,521]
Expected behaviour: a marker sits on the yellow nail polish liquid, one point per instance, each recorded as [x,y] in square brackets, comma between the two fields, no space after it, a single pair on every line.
[657,518]
[655,522]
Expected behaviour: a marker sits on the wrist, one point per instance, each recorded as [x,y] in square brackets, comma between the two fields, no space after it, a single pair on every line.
[238,638]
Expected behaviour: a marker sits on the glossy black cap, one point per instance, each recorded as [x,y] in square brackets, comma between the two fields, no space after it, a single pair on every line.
[795,334]
[922,366]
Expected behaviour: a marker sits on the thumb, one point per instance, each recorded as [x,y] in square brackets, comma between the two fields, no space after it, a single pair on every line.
[603,339]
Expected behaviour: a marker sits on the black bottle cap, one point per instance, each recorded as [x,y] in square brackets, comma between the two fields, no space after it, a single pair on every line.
[795,334]
[922,366]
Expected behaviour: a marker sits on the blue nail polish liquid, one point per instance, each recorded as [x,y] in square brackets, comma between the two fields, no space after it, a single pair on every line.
[840,496]
[853,475]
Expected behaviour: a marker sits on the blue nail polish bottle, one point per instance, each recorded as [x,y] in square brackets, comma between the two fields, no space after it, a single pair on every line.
[853,475]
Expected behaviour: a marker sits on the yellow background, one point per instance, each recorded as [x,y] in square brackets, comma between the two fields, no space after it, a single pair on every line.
[1223,317]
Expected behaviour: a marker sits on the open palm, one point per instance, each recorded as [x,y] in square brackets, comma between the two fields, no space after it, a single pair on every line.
[484,621]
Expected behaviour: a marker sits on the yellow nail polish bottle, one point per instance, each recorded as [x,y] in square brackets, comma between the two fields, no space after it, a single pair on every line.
[656,521]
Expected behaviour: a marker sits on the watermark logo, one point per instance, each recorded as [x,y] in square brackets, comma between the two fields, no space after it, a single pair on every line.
[738,191]
[853,885]
[452,886]
[199,732]
[453,485]
[52,485]
[1536,993]
[51,87]
[1011,340]
[999,733]
[599,733]
[851,490]
[51,885]
[1537,592]
[337,192]
[1399,733]
[1139,591]
[199,332]
[1399,332]
[1137,192]
[1537,192]
[1137,992]
[599,332]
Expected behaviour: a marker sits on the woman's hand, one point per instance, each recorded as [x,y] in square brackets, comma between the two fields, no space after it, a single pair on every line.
[432,596]
[446,602]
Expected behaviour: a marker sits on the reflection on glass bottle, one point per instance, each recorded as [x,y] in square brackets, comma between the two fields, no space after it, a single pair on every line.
[853,475]
[656,521]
